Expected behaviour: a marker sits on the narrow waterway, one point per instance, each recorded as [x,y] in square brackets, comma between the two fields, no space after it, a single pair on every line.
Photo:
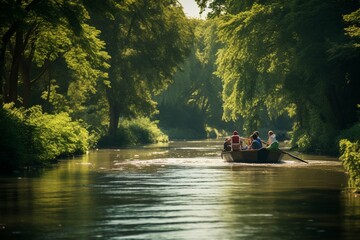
[180,190]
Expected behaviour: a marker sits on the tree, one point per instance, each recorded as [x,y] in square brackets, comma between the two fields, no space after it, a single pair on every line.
[146,40]
[290,57]
[194,99]
[252,64]
[321,85]
[37,33]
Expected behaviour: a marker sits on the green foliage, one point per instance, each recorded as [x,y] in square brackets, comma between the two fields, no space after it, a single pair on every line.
[52,136]
[214,132]
[42,32]
[57,100]
[182,121]
[144,131]
[134,131]
[350,157]
[353,30]
[315,135]
[290,57]
[303,141]
[95,117]
[251,63]
[84,59]
[352,134]
[62,66]
[270,59]
[19,145]
[60,136]
[194,97]
[147,40]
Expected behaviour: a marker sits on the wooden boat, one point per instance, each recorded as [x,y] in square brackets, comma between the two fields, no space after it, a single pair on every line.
[262,155]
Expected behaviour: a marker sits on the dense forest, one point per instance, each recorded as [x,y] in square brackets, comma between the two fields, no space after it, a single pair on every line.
[78,74]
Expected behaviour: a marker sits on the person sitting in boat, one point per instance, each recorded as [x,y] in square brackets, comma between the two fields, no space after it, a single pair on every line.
[255,144]
[258,138]
[236,142]
[227,144]
[272,143]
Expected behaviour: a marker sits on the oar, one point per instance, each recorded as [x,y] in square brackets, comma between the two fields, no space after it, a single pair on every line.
[287,153]
[293,156]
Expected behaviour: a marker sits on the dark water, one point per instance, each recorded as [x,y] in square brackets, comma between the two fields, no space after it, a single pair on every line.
[181,190]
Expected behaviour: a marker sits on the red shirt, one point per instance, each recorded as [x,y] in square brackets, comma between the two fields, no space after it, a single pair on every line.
[235,139]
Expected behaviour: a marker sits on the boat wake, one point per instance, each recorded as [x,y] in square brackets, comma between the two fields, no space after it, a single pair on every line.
[216,161]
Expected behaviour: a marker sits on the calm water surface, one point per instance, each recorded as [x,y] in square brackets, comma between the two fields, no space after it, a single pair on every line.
[180,190]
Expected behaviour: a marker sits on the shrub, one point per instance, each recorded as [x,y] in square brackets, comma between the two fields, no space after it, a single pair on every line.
[39,136]
[350,157]
[143,131]
[60,136]
[134,131]
[17,145]
[320,139]
[351,134]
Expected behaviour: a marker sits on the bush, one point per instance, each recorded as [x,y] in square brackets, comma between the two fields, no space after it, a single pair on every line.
[30,136]
[212,132]
[350,157]
[60,136]
[351,134]
[319,139]
[134,131]
[17,145]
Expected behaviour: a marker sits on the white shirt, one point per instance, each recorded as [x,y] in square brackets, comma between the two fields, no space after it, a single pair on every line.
[272,139]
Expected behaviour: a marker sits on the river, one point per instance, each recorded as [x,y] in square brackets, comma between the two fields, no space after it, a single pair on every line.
[179,190]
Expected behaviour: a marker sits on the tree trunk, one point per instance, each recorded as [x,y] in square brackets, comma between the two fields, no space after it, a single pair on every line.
[11,92]
[114,119]
[25,72]
[5,40]
[47,106]
[3,80]
[2,72]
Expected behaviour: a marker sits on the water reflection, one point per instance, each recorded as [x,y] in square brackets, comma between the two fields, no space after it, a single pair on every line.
[181,190]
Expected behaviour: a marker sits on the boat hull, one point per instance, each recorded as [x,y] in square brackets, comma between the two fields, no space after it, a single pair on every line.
[253,156]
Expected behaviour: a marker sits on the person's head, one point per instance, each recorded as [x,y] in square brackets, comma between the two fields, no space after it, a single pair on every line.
[257,133]
[270,133]
[254,136]
[235,133]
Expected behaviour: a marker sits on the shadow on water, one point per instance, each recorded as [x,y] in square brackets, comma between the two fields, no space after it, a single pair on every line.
[181,190]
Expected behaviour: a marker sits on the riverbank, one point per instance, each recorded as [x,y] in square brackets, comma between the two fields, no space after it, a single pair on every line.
[32,138]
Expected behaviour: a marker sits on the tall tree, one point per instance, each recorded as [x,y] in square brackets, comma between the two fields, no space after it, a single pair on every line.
[252,64]
[146,40]
[194,99]
[289,56]
[321,86]
[36,33]
[18,19]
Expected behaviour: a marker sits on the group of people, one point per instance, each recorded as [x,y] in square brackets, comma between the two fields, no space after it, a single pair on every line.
[236,142]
